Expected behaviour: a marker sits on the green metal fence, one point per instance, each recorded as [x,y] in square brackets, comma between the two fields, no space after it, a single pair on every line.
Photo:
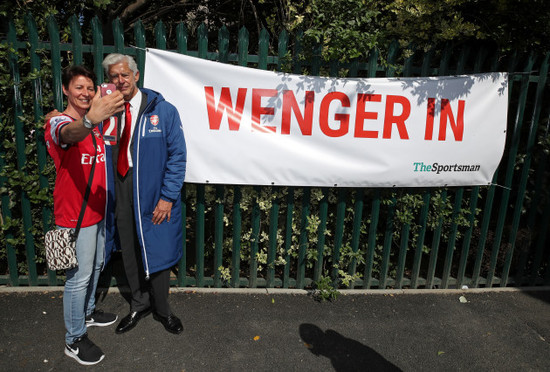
[290,237]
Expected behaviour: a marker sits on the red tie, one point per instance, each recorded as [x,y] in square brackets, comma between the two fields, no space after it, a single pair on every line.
[122,162]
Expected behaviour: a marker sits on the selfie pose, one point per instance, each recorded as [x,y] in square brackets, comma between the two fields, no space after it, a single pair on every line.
[75,144]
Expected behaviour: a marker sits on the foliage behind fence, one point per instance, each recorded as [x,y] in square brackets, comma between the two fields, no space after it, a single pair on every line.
[287,236]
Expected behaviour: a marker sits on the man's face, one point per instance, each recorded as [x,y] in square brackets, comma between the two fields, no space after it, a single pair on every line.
[124,78]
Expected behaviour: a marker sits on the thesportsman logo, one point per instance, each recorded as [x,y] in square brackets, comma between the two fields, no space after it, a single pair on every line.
[445,168]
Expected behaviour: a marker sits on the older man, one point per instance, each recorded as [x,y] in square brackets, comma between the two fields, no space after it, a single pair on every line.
[149,161]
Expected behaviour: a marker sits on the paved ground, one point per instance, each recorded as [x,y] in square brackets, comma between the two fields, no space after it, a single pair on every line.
[276,331]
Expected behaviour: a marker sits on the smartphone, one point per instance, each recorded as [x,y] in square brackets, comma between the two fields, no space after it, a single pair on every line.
[110,124]
[107,88]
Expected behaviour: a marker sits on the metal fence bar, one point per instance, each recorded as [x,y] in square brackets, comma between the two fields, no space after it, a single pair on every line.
[371,245]
[403,247]
[459,194]
[21,158]
[420,242]
[181,38]
[338,234]
[446,275]
[53,32]
[525,171]
[282,48]
[139,35]
[182,265]
[430,277]
[237,226]
[460,278]
[303,239]
[76,36]
[203,41]
[263,49]
[273,232]
[518,122]
[388,237]
[97,48]
[254,239]
[474,196]
[13,278]
[39,133]
[118,36]
[288,236]
[356,232]
[160,35]
[321,235]
[223,45]
[539,247]
[218,235]
[533,213]
[488,206]
[298,49]
[199,235]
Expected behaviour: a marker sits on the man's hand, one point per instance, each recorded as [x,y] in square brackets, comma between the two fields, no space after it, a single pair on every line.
[51,114]
[162,211]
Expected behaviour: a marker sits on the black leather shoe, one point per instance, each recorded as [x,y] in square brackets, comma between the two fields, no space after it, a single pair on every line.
[171,323]
[130,320]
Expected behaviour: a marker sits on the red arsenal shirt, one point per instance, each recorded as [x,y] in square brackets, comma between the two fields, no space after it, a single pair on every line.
[73,164]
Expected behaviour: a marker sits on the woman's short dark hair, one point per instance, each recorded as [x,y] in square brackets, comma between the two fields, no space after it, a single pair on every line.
[76,70]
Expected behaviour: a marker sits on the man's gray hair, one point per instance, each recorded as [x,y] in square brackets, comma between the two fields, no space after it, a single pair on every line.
[114,58]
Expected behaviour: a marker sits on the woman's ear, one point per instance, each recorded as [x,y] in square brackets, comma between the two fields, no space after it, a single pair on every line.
[64,90]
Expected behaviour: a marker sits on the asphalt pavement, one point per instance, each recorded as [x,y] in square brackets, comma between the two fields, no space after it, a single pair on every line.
[278,330]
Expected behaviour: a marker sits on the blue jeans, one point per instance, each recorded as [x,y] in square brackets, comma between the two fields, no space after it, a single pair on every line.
[81,284]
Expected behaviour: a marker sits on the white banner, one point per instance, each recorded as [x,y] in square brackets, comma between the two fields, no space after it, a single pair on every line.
[256,127]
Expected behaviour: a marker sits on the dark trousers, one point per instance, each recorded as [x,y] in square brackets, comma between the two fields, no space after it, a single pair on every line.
[145,293]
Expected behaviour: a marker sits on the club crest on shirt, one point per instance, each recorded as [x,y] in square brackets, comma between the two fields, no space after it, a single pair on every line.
[154,119]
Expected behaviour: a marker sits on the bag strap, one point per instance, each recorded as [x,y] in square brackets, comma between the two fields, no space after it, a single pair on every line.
[88,190]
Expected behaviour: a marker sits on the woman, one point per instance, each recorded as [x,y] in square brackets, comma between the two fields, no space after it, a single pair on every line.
[68,137]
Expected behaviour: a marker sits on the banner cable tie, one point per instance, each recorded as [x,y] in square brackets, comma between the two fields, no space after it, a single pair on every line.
[135,47]
[504,187]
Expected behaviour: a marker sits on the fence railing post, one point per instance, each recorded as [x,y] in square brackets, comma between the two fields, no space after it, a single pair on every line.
[513,150]
[199,235]
[21,157]
[118,35]
[273,230]
[356,232]
[181,37]
[97,48]
[76,36]
[139,34]
[203,41]
[218,235]
[39,137]
[303,239]
[6,214]
[533,126]
[288,235]
[182,265]
[223,45]
[338,234]
[237,227]
[160,35]
[371,244]
[321,235]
